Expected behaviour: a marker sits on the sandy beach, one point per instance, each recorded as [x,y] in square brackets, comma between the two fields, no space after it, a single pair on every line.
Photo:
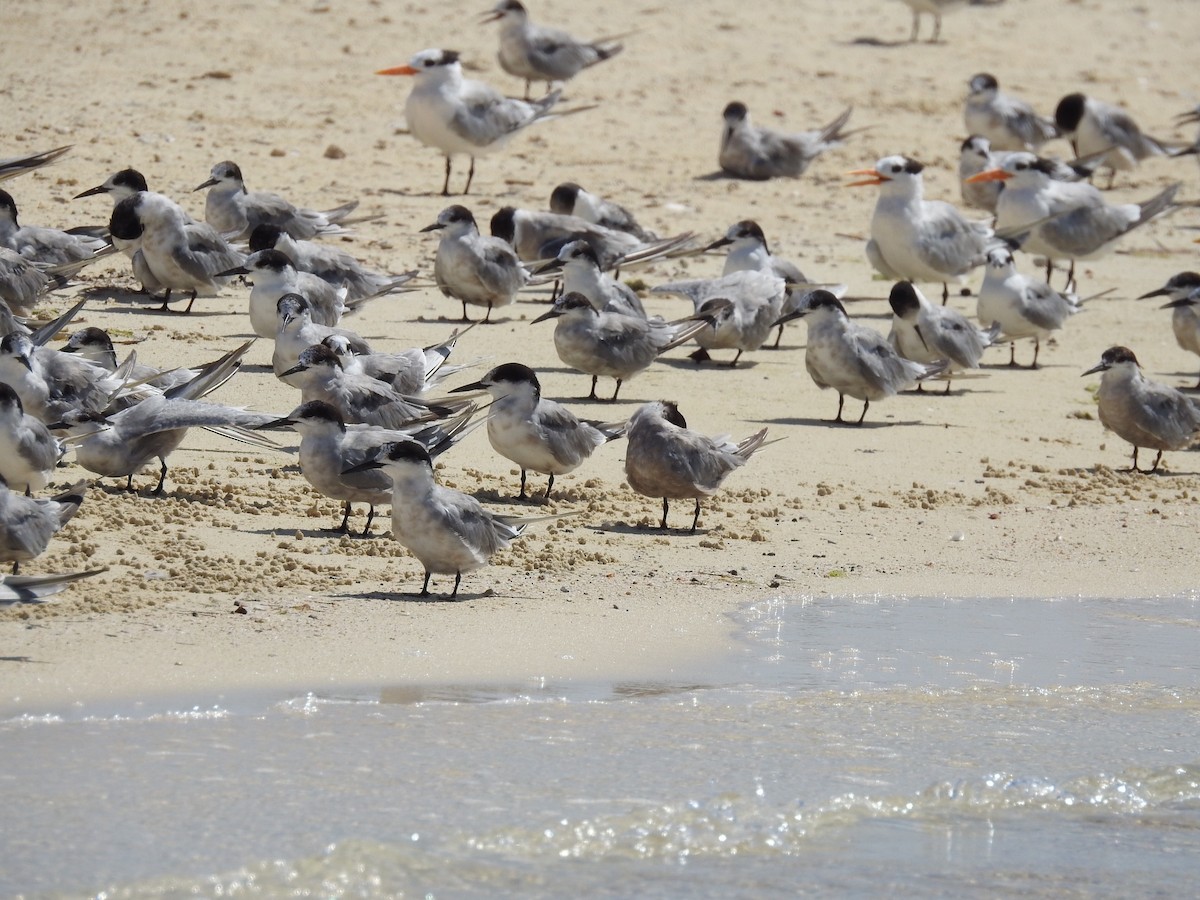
[1008,486]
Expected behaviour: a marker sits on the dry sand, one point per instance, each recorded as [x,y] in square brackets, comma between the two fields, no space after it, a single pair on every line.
[1007,487]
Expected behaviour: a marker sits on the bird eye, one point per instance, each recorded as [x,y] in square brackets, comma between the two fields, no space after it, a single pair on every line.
[895,169]
[1021,167]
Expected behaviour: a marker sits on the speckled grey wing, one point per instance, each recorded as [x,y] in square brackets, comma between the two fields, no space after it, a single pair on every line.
[1168,414]
[209,253]
[1044,307]
[878,363]
[1084,230]
[51,247]
[1120,130]
[477,528]
[948,242]
[956,339]
[37,447]
[559,56]
[21,283]
[26,526]
[574,440]
[628,344]
[264,208]
[158,414]
[486,115]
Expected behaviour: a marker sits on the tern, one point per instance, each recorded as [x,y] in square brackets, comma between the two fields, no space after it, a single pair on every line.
[539,236]
[976,156]
[926,333]
[1184,291]
[330,264]
[273,275]
[1065,220]
[28,523]
[582,274]
[614,344]
[179,254]
[537,53]
[1008,123]
[44,246]
[410,371]
[120,185]
[1143,412]
[853,359]
[28,451]
[569,199]
[22,284]
[537,434]
[235,211]
[1095,127]
[296,331]
[328,447]
[665,459]
[751,152]
[473,268]
[754,302]
[458,116]
[1023,306]
[914,239]
[449,532]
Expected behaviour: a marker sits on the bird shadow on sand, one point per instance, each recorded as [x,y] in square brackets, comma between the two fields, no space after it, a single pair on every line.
[413,596]
[871,41]
[684,362]
[655,530]
[833,423]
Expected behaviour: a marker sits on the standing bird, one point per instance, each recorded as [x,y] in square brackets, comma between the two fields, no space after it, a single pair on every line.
[120,185]
[28,451]
[449,532]
[458,116]
[854,359]
[664,459]
[1064,220]
[28,523]
[582,275]
[235,211]
[755,153]
[179,254]
[1007,122]
[537,434]
[1023,306]
[44,246]
[537,53]
[1143,412]
[1093,127]
[273,276]
[1184,291]
[569,199]
[914,239]
[935,8]
[473,268]
[328,447]
[926,333]
[611,343]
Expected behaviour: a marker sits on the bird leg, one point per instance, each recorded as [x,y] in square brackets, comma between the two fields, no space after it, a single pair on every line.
[465,317]
[550,486]
[841,403]
[696,517]
[16,567]
[1037,347]
[735,359]
[446,183]
[592,395]
[457,580]
[1071,283]
[129,485]
[166,300]
[615,392]
[866,406]
[521,496]
[947,390]
[344,528]
[1157,460]
[1012,354]
[425,585]
[188,308]
[470,175]
[945,293]
[666,506]
[370,516]
[487,316]
[528,85]
[162,477]
[778,338]
[699,355]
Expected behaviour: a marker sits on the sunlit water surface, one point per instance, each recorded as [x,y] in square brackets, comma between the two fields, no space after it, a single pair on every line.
[853,747]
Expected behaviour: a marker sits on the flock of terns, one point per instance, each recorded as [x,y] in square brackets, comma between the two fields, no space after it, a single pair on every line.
[368,428]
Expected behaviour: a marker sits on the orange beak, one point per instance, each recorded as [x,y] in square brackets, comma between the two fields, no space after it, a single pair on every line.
[989,175]
[398,70]
[872,177]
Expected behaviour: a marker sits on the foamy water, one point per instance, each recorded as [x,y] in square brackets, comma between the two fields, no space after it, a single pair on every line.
[854,747]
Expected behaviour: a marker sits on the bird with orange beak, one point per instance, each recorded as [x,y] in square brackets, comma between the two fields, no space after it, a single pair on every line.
[458,116]
[914,239]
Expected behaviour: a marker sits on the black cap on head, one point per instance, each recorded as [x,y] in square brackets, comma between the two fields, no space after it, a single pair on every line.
[317,355]
[903,299]
[672,414]
[88,337]
[409,451]
[516,373]
[983,82]
[318,409]
[822,299]
[9,397]
[273,259]
[7,202]
[573,300]
[1069,112]
[1184,280]
[503,224]
[227,169]
[130,178]
[562,198]
[735,111]
[264,237]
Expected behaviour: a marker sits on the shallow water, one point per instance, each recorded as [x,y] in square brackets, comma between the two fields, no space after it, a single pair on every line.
[853,747]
